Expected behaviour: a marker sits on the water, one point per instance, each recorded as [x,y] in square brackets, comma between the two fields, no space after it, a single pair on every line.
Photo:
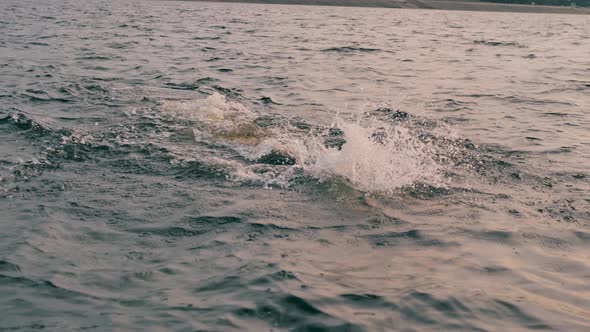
[182,166]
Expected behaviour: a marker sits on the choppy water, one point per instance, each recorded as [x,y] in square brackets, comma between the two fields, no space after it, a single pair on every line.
[182,166]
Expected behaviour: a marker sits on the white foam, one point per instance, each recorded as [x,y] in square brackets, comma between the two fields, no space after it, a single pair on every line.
[214,108]
[214,114]
[377,157]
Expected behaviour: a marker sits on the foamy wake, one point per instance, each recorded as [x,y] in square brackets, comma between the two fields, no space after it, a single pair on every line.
[377,155]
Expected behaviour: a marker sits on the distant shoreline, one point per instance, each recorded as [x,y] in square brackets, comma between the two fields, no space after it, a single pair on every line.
[423,4]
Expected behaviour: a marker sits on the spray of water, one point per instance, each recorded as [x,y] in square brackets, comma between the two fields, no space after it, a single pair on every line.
[377,156]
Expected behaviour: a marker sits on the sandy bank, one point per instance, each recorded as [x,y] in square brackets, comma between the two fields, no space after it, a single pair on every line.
[424,4]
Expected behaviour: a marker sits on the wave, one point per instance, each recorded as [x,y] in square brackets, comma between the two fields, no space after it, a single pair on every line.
[350,49]
[381,151]
[497,43]
[23,121]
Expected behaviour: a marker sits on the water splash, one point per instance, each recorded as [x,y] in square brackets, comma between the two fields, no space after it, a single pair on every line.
[217,117]
[378,156]
[371,153]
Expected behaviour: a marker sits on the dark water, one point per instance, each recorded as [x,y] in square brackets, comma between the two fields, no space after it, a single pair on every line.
[183,166]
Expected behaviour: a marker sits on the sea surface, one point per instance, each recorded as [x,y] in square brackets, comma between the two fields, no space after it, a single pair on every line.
[187,166]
